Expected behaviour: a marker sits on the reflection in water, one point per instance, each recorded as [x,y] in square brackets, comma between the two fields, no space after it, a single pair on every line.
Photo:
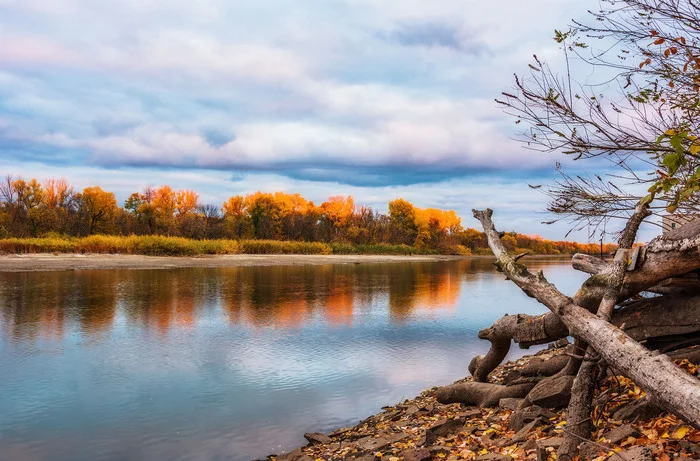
[42,305]
[233,363]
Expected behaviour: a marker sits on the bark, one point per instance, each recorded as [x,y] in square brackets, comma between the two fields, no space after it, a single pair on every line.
[482,394]
[670,386]
[578,420]
[671,255]
[640,320]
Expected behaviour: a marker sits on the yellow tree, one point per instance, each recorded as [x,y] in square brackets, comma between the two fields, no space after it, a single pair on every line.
[164,204]
[186,201]
[99,208]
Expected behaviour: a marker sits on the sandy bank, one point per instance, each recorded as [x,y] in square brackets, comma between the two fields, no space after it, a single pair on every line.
[62,262]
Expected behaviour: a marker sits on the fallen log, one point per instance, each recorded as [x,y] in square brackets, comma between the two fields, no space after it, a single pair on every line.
[641,320]
[669,386]
[485,395]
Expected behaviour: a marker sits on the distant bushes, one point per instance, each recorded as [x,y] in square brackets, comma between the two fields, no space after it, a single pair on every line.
[269,247]
[152,245]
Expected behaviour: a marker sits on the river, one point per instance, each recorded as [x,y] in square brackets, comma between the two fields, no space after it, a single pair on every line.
[233,363]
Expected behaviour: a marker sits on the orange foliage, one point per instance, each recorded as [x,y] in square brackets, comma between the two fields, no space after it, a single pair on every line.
[186,201]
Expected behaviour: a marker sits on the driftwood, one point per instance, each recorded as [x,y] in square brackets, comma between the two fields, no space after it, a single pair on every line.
[640,320]
[673,255]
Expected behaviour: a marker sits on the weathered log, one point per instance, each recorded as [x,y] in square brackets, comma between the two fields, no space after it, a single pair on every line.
[578,422]
[669,386]
[671,255]
[641,320]
[589,264]
[482,394]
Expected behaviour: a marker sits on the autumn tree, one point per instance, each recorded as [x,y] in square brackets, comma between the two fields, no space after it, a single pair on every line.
[99,209]
[336,213]
[237,222]
[403,221]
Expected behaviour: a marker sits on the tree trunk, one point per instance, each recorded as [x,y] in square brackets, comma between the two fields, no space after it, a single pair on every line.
[642,320]
[669,386]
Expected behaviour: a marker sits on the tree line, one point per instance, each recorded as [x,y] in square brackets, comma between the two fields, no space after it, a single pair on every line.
[31,208]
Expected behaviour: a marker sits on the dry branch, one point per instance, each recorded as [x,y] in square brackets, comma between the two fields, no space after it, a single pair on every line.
[668,385]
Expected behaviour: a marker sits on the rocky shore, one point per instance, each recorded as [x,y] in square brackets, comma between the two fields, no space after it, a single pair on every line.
[628,427]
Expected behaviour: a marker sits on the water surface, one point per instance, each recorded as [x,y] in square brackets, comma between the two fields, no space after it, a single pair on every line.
[232,363]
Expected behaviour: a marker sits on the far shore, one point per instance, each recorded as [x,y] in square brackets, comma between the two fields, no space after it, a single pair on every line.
[63,262]
[41,262]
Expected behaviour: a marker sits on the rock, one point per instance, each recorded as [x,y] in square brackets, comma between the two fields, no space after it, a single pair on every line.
[438,449]
[428,408]
[528,428]
[292,455]
[472,413]
[689,446]
[633,454]
[636,409]
[552,392]
[619,434]
[443,428]
[521,417]
[530,445]
[372,444]
[510,404]
[412,410]
[493,457]
[590,450]
[339,432]
[315,438]
[416,454]
[543,444]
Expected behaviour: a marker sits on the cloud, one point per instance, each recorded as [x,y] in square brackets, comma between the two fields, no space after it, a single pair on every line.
[439,35]
[376,99]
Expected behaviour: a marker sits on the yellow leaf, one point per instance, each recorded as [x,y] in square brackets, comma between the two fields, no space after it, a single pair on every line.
[483,451]
[670,132]
[694,149]
[681,432]
[560,424]
[394,458]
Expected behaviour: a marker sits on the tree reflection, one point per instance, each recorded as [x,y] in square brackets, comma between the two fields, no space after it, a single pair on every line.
[47,305]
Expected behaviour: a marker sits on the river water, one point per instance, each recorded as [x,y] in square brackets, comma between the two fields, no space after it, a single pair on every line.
[232,363]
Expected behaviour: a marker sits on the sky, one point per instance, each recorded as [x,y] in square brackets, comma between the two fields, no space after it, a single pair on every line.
[377,99]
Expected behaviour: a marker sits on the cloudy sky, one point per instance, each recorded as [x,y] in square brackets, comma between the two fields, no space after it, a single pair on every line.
[378,99]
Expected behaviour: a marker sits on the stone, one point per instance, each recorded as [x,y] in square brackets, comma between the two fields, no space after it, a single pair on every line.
[443,428]
[339,432]
[530,445]
[510,404]
[526,430]
[291,456]
[428,408]
[552,392]
[371,444]
[543,444]
[633,454]
[619,434]
[591,450]
[412,410]
[438,449]
[494,457]
[689,446]
[471,413]
[521,417]
[416,454]
[635,410]
[316,438]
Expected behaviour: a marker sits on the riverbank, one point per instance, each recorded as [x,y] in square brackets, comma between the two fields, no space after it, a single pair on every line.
[422,429]
[63,262]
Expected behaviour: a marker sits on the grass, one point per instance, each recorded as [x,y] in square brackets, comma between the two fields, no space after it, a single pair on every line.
[154,245]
